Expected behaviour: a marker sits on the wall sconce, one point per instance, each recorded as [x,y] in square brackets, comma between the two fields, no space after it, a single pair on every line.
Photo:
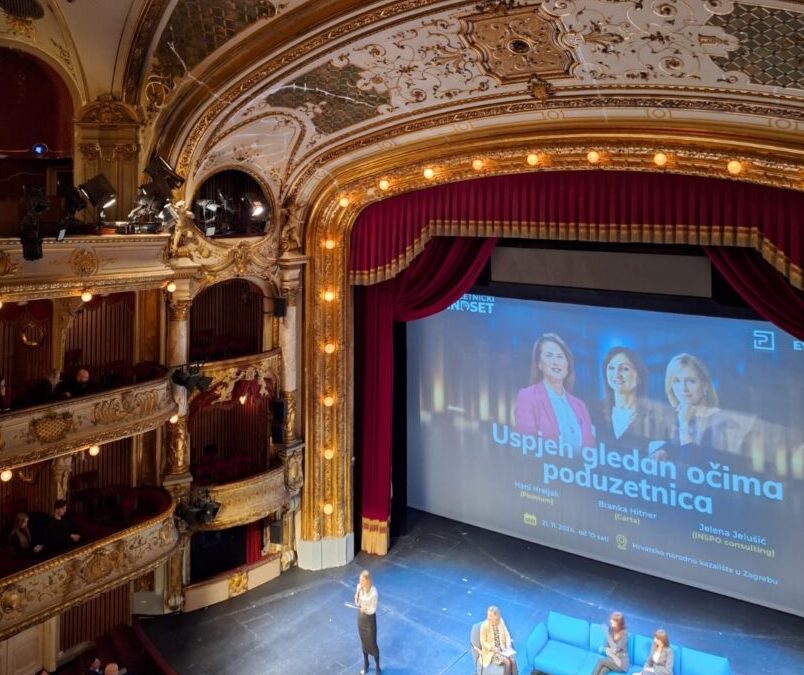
[329,401]
[343,202]
[477,164]
[734,167]
[6,475]
[243,398]
[384,184]
[329,453]
[94,450]
[329,348]
[429,173]
[171,287]
[173,419]
[593,157]
[660,159]
[328,509]
[328,296]
[86,296]
[329,244]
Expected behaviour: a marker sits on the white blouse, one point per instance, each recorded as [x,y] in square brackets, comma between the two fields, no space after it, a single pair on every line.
[367,600]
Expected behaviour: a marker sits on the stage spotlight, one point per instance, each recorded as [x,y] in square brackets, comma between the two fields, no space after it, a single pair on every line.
[168,216]
[255,205]
[99,192]
[180,377]
[207,512]
[39,149]
[159,170]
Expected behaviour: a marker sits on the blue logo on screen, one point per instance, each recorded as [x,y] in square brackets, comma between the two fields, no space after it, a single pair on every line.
[474,304]
[764,340]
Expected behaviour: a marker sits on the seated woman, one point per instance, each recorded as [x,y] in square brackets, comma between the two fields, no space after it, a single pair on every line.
[20,538]
[627,418]
[616,647]
[547,407]
[495,643]
[660,659]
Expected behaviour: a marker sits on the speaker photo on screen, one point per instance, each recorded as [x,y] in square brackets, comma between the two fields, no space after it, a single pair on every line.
[669,444]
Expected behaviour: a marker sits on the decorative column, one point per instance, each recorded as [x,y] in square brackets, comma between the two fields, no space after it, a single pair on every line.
[107,141]
[177,479]
[62,470]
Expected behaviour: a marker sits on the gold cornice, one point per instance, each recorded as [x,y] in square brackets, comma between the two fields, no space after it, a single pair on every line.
[47,589]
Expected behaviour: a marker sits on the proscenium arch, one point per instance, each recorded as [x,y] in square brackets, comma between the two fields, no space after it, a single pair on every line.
[329,225]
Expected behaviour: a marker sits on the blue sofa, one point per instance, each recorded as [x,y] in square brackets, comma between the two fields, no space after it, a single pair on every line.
[565,645]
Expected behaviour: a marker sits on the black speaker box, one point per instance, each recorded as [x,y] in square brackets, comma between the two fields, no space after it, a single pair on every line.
[279,410]
[280,307]
[275,532]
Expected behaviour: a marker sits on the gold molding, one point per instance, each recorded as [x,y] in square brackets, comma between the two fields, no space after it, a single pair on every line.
[47,589]
[44,432]
[258,367]
[248,500]
[144,34]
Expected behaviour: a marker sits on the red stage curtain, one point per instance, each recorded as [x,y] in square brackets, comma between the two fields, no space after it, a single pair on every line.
[253,542]
[766,291]
[444,271]
[583,205]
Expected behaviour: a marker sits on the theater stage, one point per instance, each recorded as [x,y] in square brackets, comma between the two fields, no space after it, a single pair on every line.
[433,585]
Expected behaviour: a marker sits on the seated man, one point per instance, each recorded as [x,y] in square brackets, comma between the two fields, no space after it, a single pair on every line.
[95,667]
[81,386]
[60,533]
[113,669]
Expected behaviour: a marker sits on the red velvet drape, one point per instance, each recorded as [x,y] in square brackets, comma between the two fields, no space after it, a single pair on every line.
[604,206]
[443,272]
[253,542]
[766,291]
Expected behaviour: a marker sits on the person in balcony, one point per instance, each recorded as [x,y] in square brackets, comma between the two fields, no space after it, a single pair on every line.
[21,540]
[48,390]
[60,533]
[81,384]
[5,395]
[95,667]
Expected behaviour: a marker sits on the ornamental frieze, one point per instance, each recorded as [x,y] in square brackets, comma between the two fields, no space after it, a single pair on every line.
[247,500]
[44,432]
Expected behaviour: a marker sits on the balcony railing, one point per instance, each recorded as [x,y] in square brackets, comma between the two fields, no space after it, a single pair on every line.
[36,434]
[46,589]
[245,501]
[101,264]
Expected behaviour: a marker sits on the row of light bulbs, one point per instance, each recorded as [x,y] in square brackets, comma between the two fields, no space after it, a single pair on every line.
[7,474]
[86,296]
[733,167]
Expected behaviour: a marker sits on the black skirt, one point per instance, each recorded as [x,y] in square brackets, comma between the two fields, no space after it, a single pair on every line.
[367,628]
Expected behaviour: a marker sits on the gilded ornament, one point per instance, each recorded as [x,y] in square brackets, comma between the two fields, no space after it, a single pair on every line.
[247,500]
[7,265]
[128,403]
[99,566]
[107,111]
[89,151]
[84,262]
[523,44]
[10,601]
[51,427]
[238,583]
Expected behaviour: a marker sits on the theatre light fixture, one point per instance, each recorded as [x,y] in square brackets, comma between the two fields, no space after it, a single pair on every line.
[254,204]
[99,192]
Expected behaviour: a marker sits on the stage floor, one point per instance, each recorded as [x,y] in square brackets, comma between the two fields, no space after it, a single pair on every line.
[433,585]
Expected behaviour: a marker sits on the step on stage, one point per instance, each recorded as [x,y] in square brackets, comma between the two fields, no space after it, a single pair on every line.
[433,585]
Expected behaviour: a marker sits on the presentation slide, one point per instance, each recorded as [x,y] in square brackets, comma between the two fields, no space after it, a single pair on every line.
[664,443]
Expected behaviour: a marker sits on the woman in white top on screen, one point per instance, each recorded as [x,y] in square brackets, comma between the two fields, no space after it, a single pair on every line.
[366,601]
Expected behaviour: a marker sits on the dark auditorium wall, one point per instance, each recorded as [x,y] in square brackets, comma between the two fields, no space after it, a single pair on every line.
[230,309]
[22,364]
[104,332]
[113,464]
[95,617]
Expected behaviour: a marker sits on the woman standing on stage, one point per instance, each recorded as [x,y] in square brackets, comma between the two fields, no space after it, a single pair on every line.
[366,601]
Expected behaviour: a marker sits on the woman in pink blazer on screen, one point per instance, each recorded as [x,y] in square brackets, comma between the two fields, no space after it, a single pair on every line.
[547,407]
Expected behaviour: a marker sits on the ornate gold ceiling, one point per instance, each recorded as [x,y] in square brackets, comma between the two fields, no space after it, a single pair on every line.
[292,89]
